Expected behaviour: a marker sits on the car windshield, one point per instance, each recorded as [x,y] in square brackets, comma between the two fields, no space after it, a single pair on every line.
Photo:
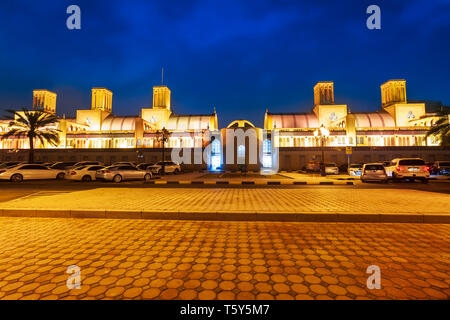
[330,165]
[411,162]
[358,166]
[374,167]
[80,168]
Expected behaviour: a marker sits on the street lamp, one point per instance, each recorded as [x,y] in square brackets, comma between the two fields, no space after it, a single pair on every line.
[322,133]
[164,137]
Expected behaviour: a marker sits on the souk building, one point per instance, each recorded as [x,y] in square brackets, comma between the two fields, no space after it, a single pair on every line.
[287,141]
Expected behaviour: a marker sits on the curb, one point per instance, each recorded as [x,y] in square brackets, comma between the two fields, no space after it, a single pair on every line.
[230,216]
[248,182]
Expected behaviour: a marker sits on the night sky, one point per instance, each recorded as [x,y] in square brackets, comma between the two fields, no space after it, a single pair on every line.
[239,56]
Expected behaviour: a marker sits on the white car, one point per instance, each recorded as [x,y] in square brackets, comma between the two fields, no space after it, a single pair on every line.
[30,172]
[122,173]
[169,167]
[354,169]
[83,173]
[408,168]
[331,168]
[82,164]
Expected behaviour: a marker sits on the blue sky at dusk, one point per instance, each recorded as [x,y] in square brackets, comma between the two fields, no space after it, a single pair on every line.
[239,56]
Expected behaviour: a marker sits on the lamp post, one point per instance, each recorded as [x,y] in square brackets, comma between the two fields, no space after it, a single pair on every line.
[164,137]
[322,133]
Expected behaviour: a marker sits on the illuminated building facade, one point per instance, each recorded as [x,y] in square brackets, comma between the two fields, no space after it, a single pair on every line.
[95,133]
[287,140]
[398,129]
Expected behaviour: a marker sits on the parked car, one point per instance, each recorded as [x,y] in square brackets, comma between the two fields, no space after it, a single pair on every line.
[30,172]
[122,173]
[408,168]
[354,169]
[331,168]
[169,167]
[124,164]
[84,173]
[84,163]
[63,165]
[9,164]
[313,166]
[88,163]
[373,172]
[440,168]
[144,166]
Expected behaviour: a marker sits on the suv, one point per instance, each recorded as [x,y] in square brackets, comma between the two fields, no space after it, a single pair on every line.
[373,171]
[408,168]
[169,167]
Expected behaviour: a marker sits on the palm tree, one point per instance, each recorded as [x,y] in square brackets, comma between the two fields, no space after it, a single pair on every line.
[441,129]
[32,125]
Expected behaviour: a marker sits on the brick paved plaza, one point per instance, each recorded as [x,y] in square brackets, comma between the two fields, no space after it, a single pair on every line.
[152,259]
[309,200]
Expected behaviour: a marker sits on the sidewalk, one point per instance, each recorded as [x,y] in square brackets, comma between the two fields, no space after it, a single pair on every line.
[281,178]
[270,204]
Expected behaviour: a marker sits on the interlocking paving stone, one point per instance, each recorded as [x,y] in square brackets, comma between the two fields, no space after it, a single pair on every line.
[235,201]
[143,259]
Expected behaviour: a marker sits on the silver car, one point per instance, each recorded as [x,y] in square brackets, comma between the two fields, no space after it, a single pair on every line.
[373,172]
[122,173]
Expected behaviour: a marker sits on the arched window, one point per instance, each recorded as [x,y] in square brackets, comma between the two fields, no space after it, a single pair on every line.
[215,147]
[241,151]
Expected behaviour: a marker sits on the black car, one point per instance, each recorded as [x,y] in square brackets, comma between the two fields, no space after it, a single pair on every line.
[143,166]
[62,165]
[9,164]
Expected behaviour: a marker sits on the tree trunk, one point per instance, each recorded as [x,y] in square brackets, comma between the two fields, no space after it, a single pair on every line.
[31,153]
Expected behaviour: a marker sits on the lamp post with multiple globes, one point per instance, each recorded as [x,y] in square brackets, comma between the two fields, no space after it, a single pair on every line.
[322,133]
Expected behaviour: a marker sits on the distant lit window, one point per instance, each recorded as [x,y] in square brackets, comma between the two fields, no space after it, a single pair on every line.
[267,146]
[241,151]
[215,146]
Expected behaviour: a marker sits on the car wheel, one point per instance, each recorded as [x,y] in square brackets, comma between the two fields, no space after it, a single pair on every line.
[176,171]
[386,181]
[362,180]
[160,171]
[17,178]
[147,177]
[60,176]
[394,177]
[424,180]
[87,178]
[117,178]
